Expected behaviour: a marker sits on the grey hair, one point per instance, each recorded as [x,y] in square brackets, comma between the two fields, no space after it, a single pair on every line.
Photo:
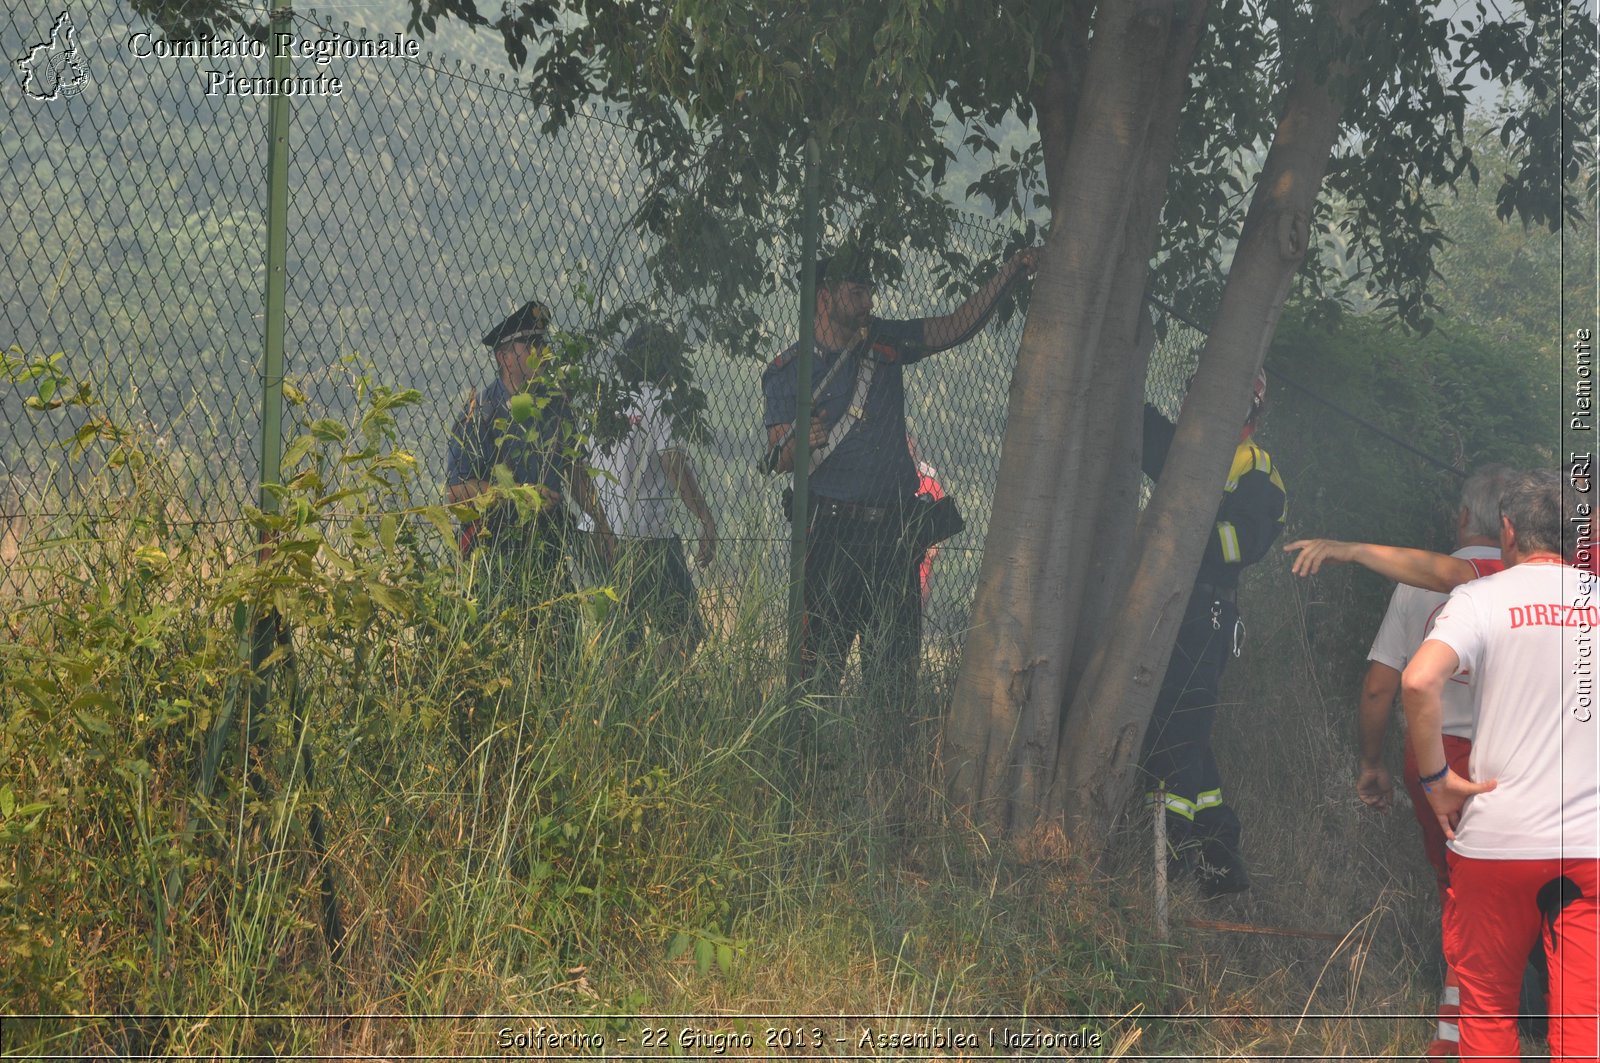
[1480,499]
[1532,503]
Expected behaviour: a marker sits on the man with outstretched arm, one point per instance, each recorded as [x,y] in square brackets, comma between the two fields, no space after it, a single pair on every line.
[1524,838]
[1417,568]
[1405,626]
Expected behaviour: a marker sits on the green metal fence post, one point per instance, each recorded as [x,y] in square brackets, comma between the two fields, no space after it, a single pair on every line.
[802,415]
[277,255]
[264,625]
[270,632]
[794,723]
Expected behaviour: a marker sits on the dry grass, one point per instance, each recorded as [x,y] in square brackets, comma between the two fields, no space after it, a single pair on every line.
[836,916]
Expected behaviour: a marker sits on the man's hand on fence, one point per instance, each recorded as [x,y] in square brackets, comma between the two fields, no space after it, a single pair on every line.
[1026,260]
[706,548]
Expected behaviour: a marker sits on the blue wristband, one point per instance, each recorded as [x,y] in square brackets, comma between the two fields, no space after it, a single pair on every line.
[1427,781]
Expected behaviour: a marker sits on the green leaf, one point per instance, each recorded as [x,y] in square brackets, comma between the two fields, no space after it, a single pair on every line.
[338,560]
[521,407]
[329,431]
[92,723]
[704,953]
[388,527]
[152,555]
[295,452]
[440,519]
[8,801]
[725,958]
[681,943]
[389,598]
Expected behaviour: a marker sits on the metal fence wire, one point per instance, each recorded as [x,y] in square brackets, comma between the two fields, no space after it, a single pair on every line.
[424,206]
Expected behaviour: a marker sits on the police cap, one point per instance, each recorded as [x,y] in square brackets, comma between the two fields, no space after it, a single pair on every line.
[843,269]
[529,321]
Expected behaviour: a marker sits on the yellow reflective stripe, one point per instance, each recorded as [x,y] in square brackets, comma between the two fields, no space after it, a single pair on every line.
[1230,541]
[1209,799]
[1244,459]
[1178,805]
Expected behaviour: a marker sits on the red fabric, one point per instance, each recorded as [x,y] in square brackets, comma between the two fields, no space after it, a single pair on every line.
[1457,753]
[927,485]
[1491,923]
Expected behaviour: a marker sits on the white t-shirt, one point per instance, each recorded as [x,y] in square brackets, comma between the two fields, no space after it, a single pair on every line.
[631,481]
[1528,635]
[1405,625]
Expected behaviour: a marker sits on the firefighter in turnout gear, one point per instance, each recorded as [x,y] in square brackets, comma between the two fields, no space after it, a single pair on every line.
[1202,830]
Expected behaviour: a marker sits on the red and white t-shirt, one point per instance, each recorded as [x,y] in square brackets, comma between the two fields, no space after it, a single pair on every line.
[1406,624]
[1529,635]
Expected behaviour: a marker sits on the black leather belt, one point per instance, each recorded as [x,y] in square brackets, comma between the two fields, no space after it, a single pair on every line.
[833,509]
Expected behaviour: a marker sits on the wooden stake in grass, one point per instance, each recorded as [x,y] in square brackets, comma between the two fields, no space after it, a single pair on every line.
[1267,931]
[1160,810]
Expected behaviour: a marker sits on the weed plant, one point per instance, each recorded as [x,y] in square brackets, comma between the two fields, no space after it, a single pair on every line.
[433,806]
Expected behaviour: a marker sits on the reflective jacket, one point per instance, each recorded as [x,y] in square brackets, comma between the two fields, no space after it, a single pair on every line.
[1254,504]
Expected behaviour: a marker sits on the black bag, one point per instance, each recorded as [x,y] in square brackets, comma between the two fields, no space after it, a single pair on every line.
[931,521]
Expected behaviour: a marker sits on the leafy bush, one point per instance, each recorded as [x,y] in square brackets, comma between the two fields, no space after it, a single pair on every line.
[331,761]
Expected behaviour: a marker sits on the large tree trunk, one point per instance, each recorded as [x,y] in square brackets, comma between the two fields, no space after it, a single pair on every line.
[1103,537]
[1002,736]
[1062,89]
[1114,702]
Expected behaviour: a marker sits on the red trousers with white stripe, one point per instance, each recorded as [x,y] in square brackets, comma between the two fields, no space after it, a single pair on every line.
[1458,754]
[1491,921]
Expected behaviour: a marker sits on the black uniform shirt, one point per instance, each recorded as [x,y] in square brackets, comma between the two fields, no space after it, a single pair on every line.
[871,465]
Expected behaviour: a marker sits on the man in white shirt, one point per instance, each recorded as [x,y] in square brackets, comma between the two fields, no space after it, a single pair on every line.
[1405,625]
[1525,839]
[637,477]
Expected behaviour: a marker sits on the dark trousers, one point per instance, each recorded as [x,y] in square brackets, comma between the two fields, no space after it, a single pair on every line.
[1177,747]
[525,579]
[657,591]
[524,599]
[861,582]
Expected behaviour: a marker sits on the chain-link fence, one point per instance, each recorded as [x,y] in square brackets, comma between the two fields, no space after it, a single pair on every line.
[424,206]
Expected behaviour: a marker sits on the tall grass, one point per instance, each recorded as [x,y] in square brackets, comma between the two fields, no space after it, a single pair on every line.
[518,822]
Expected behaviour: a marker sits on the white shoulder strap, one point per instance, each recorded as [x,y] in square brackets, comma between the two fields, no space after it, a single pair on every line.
[865,366]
